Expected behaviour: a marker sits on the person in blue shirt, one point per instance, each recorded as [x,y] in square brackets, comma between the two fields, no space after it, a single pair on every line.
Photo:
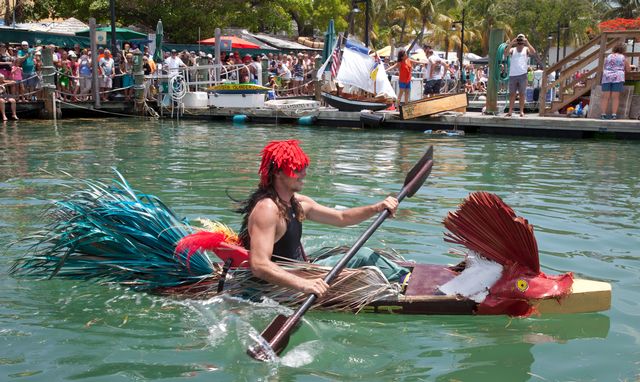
[26,61]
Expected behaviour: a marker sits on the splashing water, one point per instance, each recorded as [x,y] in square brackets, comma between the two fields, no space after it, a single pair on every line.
[225,316]
[302,354]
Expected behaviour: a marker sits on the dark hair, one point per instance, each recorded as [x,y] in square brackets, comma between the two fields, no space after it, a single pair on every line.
[619,48]
[401,55]
[246,207]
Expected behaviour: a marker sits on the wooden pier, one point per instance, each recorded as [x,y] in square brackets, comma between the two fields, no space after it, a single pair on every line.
[469,122]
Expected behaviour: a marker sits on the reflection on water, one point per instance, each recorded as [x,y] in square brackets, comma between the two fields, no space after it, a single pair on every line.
[581,196]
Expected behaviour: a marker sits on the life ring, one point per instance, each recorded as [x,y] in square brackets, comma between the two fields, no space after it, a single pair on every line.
[292,104]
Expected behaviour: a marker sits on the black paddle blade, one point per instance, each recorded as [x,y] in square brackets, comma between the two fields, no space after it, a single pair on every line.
[420,178]
[261,351]
[428,155]
[417,182]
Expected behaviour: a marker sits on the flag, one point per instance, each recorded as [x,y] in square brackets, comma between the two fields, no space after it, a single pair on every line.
[374,71]
[335,58]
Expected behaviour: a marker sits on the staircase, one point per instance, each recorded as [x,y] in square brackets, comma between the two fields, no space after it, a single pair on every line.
[590,56]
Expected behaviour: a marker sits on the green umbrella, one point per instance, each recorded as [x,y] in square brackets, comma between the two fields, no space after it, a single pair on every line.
[121,33]
[329,41]
[157,55]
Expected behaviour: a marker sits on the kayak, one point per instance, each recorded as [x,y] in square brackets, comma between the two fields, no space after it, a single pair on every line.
[422,296]
[108,232]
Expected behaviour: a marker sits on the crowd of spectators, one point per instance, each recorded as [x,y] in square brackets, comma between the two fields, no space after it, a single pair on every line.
[21,71]
[287,74]
[21,68]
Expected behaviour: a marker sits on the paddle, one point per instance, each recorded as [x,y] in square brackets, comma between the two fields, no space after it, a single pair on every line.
[277,334]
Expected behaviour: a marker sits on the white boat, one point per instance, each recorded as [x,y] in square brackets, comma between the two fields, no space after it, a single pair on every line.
[233,95]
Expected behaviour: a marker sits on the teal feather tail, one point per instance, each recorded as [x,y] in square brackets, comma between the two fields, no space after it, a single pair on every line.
[109,232]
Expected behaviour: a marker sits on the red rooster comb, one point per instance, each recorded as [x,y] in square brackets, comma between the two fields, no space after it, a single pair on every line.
[485,224]
[282,155]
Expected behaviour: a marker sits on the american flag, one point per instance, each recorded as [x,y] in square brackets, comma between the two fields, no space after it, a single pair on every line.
[335,58]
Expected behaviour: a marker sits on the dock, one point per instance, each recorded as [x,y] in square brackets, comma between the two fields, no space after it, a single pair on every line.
[76,109]
[469,122]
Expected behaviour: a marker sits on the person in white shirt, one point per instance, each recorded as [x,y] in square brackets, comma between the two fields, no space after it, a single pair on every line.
[173,62]
[285,75]
[107,72]
[520,50]
[257,69]
[433,71]
[537,77]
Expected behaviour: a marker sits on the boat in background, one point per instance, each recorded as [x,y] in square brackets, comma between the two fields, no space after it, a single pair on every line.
[352,104]
[234,95]
[363,79]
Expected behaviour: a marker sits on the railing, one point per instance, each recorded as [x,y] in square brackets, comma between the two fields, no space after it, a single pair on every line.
[568,87]
[203,77]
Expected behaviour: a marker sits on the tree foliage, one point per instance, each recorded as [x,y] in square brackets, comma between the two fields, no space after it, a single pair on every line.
[401,20]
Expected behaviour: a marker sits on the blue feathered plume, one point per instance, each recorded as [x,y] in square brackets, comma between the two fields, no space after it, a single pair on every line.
[110,232]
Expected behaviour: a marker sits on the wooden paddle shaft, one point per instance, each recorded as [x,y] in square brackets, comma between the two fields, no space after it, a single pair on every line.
[293,320]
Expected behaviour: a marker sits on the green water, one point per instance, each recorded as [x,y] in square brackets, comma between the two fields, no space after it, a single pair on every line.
[581,196]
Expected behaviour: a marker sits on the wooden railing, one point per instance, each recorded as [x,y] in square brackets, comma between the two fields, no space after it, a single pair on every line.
[567,87]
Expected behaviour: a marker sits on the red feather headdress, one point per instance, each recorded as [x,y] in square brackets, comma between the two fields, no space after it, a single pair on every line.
[282,155]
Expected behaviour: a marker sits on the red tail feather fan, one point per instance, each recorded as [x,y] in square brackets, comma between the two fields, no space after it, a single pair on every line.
[485,224]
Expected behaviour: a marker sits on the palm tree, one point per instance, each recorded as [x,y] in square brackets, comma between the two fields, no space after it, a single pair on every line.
[405,15]
[626,9]
[485,15]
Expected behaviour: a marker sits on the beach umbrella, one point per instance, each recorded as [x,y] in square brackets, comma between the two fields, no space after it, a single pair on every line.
[157,55]
[236,42]
[329,40]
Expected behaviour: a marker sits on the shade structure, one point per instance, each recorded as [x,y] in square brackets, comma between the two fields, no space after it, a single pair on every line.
[157,54]
[236,42]
[121,33]
[386,51]
[329,41]
[419,55]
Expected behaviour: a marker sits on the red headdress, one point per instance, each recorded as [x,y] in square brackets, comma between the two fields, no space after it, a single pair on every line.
[282,155]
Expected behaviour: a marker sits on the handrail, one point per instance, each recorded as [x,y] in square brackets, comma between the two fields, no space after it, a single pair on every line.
[571,70]
[558,65]
[568,68]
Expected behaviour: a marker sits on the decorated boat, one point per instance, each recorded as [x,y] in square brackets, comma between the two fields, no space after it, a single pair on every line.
[108,232]
[363,81]
[232,95]
[233,88]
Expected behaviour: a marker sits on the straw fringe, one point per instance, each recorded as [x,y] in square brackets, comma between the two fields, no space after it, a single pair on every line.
[352,290]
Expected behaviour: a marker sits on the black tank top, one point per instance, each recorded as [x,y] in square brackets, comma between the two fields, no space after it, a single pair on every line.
[289,245]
